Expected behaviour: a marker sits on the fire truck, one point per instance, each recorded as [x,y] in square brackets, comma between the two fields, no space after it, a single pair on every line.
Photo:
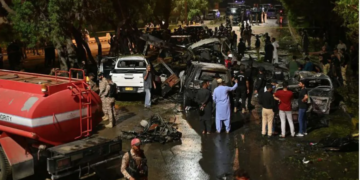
[50,119]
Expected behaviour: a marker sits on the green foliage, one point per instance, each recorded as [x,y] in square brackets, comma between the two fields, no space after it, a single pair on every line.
[194,8]
[349,11]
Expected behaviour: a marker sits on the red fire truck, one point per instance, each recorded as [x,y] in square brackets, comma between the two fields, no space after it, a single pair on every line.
[50,118]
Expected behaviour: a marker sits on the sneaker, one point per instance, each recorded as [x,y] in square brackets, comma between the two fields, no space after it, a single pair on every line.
[110,125]
[299,135]
[105,117]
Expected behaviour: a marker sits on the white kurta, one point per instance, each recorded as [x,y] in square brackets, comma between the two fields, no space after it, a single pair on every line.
[275,53]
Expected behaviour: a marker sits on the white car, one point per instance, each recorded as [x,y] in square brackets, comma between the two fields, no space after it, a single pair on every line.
[128,74]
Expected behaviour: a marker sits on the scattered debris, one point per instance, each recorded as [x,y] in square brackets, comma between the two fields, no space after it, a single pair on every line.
[346,144]
[155,130]
[305,161]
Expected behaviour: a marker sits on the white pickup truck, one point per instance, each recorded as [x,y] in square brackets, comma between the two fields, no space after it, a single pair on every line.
[128,74]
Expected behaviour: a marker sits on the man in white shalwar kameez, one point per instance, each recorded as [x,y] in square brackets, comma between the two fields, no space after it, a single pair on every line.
[275,53]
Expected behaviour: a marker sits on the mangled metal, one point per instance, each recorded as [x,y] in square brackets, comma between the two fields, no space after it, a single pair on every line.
[156,129]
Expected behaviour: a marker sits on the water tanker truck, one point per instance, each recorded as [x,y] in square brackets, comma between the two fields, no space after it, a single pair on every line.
[50,119]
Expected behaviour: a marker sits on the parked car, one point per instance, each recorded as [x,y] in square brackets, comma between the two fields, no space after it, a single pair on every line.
[128,74]
[271,13]
[191,28]
[212,14]
[199,72]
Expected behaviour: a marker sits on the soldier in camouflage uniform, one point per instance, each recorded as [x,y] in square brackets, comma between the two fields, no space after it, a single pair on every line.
[92,84]
[102,85]
[109,103]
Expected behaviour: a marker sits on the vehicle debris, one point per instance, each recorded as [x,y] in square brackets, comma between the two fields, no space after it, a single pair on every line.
[156,129]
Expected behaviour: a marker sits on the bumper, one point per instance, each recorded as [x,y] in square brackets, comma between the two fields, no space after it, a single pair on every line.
[130,89]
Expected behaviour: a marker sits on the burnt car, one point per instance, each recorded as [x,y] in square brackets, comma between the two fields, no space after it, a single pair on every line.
[199,72]
[181,40]
[212,50]
[320,92]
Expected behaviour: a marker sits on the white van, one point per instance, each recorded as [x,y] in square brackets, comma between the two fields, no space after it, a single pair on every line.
[128,74]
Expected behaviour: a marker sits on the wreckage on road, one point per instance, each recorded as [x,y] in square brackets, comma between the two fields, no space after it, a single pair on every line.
[156,129]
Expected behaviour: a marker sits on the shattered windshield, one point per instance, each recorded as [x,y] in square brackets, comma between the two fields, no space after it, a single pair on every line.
[131,64]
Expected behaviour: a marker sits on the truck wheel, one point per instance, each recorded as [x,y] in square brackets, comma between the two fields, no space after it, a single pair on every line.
[5,171]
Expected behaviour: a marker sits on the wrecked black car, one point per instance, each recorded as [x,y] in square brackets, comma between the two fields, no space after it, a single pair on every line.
[199,72]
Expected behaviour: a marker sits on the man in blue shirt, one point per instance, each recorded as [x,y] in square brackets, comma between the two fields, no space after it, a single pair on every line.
[309,66]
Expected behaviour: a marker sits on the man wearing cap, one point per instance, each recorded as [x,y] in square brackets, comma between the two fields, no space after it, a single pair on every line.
[134,163]
[102,85]
[110,93]
[221,98]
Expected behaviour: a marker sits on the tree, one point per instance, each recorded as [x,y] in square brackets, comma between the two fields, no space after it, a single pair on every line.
[190,8]
[348,10]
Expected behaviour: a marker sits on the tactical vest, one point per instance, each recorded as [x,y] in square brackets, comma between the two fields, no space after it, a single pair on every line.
[135,171]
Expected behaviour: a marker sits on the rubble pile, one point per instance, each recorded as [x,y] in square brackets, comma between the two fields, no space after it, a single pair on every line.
[156,129]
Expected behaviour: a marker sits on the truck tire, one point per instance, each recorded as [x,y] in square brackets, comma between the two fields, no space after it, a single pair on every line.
[5,171]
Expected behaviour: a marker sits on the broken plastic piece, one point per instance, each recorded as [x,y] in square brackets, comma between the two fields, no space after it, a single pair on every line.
[305,161]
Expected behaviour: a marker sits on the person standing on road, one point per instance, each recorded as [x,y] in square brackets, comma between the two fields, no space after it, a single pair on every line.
[278,74]
[242,90]
[285,96]
[102,86]
[275,45]
[260,82]
[241,48]
[293,66]
[110,93]
[267,102]
[308,66]
[269,49]
[303,99]
[148,84]
[203,98]
[221,98]
[249,75]
[134,163]
[257,47]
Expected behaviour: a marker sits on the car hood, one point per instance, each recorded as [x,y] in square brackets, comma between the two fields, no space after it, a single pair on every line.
[204,42]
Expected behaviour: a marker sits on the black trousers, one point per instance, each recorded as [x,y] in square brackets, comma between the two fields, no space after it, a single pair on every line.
[249,96]
[205,124]
[240,93]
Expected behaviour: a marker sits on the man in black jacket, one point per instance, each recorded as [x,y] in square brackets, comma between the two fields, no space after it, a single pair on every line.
[203,98]
[260,82]
[269,48]
[241,48]
[267,101]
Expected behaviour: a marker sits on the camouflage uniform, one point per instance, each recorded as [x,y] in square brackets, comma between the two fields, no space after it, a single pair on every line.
[102,86]
[93,85]
[109,107]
